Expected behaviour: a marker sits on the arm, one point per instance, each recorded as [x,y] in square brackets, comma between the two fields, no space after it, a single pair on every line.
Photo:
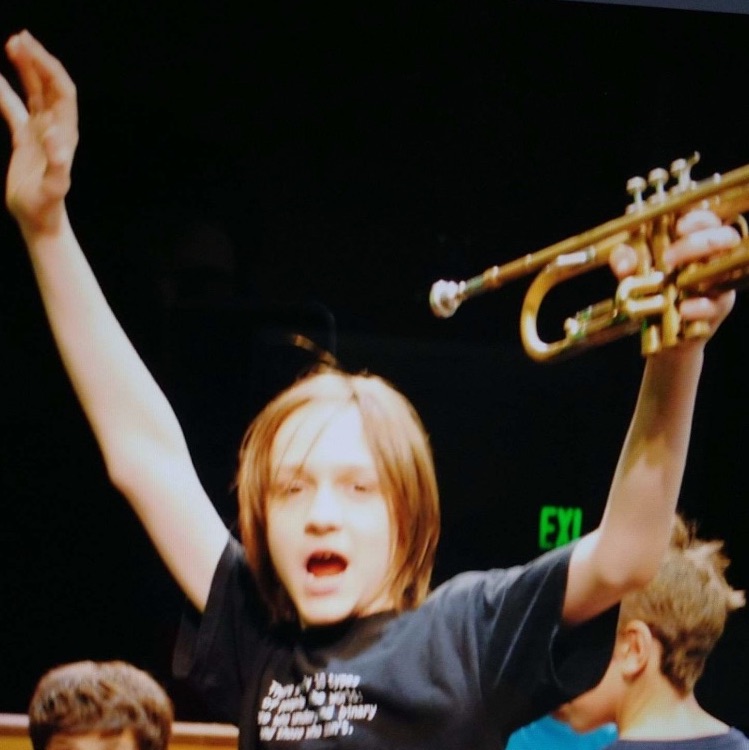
[139,436]
[626,549]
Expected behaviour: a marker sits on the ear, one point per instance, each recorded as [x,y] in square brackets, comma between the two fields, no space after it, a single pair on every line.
[635,649]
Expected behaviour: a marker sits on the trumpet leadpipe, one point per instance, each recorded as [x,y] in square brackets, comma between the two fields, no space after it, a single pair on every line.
[445,297]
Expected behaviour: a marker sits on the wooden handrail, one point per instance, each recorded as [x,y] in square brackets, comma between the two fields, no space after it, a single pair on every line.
[186,735]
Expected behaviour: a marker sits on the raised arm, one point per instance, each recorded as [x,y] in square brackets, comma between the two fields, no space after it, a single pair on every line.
[138,434]
[626,549]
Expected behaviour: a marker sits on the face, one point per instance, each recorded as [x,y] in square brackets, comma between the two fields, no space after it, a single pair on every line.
[93,741]
[330,532]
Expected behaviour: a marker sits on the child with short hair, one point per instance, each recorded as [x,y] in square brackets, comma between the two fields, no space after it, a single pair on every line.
[110,705]
[318,631]
[666,632]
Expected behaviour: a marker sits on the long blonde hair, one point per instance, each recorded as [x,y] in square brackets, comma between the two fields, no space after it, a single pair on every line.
[400,447]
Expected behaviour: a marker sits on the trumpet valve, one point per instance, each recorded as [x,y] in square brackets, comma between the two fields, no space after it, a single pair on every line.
[636,187]
[650,340]
[697,329]
[681,171]
[657,179]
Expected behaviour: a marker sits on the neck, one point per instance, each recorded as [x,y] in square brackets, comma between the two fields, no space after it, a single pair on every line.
[661,713]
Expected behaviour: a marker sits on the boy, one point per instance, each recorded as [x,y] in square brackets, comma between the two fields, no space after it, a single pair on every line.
[90,705]
[318,629]
[666,632]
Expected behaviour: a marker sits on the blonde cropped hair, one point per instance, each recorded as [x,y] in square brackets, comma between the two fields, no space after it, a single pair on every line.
[686,605]
[403,458]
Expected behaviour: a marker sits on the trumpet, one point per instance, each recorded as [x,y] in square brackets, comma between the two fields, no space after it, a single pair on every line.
[646,302]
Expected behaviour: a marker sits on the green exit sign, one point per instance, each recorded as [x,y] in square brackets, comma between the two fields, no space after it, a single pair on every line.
[558,526]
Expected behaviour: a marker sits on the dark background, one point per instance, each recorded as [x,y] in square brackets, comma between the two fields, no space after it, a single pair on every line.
[310,167]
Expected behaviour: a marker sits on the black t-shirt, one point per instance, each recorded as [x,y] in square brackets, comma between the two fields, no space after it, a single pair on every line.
[731,740]
[482,656]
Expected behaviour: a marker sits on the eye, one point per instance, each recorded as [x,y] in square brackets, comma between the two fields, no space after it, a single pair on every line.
[287,488]
[363,485]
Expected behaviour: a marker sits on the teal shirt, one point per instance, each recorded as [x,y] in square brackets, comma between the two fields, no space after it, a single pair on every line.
[549,734]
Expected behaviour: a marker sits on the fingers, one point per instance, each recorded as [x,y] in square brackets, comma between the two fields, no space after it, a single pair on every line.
[696,220]
[708,309]
[49,74]
[700,235]
[45,133]
[52,103]
[44,78]
[18,54]
[623,261]
[11,107]
[701,244]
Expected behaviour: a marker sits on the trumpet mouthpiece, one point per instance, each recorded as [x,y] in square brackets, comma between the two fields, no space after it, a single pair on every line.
[445,298]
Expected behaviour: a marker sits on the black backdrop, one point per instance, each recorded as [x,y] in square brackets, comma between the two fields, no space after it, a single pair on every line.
[248,173]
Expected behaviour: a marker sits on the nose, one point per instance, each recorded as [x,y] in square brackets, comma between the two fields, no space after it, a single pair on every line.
[325,511]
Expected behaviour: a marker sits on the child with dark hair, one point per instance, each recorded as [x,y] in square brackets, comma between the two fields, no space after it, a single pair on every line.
[109,705]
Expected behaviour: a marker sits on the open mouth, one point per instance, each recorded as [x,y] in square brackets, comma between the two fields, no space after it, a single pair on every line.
[322,564]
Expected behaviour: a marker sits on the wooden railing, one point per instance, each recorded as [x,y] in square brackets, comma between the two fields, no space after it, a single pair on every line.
[186,735]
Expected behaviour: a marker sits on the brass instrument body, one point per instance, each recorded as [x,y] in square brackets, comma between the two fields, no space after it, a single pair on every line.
[647,301]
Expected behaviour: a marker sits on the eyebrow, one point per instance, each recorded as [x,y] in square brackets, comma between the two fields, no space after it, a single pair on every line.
[296,469]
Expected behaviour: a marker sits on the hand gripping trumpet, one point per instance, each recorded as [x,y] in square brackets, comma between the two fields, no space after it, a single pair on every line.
[646,302]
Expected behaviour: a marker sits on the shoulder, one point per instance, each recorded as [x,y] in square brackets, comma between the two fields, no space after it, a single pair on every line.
[501,585]
[731,740]
[548,732]
[220,651]
[739,739]
[483,606]
[234,615]
[233,578]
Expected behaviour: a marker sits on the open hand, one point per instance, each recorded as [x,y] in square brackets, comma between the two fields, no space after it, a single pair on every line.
[44,133]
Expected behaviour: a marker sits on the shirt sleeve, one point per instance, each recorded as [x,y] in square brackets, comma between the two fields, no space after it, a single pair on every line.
[526,662]
[562,662]
[218,651]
